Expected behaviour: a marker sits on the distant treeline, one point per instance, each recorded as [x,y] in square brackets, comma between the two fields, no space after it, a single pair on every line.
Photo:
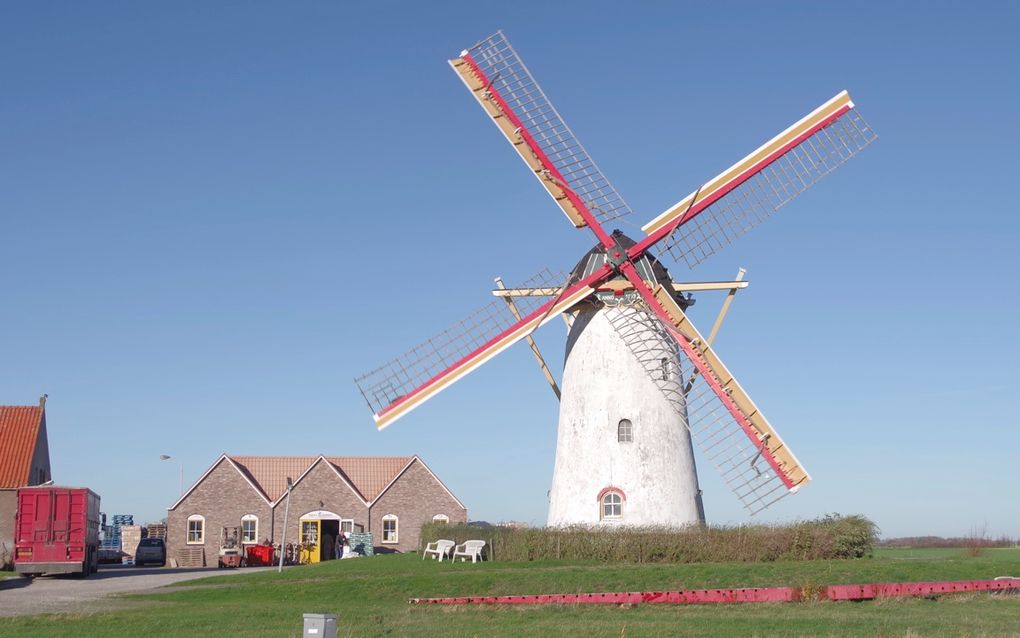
[833,536]
[939,541]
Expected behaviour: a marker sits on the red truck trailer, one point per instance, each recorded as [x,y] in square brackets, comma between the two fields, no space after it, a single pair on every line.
[56,531]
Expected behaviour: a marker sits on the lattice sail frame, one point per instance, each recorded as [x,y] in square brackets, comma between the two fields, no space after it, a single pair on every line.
[754,188]
[744,449]
[414,369]
[505,88]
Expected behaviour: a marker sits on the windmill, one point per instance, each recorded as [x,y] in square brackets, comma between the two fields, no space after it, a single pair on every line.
[639,380]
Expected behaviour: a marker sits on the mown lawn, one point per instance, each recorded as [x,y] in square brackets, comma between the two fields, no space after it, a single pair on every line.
[370,596]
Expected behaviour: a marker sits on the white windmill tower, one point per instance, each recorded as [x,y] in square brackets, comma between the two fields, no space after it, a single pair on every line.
[639,379]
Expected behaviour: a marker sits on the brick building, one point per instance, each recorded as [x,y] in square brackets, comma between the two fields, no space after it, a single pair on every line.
[24,460]
[388,496]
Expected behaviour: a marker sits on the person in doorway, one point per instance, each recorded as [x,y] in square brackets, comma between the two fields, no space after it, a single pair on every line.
[341,540]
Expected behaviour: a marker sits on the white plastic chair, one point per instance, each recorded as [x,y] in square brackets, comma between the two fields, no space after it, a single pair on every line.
[439,548]
[469,549]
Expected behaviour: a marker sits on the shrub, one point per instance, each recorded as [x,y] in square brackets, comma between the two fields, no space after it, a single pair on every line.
[832,536]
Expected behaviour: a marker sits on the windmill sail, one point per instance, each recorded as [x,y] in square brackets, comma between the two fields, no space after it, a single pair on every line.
[505,88]
[732,432]
[729,429]
[751,190]
[397,387]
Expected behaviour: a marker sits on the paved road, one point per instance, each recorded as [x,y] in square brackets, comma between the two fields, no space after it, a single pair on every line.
[51,594]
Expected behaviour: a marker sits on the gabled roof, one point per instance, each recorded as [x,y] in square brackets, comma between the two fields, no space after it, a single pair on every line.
[270,472]
[223,458]
[427,469]
[19,433]
[368,476]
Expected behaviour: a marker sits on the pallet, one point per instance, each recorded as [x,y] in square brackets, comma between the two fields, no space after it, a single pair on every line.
[191,557]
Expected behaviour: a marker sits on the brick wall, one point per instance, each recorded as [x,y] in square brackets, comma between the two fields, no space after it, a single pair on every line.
[414,498]
[40,472]
[223,497]
[8,510]
[320,489]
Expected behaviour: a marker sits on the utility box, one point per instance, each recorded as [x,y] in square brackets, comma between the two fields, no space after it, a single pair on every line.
[320,626]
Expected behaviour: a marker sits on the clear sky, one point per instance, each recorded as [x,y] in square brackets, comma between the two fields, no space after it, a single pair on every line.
[214,215]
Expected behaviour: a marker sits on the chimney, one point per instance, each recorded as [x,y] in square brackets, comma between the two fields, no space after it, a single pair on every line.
[42,401]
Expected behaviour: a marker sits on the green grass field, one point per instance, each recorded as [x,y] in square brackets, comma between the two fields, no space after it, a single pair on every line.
[370,596]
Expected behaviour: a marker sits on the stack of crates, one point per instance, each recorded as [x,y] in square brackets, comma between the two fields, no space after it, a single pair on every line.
[111,538]
[130,536]
[361,543]
[112,533]
[156,530]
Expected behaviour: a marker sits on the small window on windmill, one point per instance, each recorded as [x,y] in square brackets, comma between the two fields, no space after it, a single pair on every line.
[625,431]
[612,505]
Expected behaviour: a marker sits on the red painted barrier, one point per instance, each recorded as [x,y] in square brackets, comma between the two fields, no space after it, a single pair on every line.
[888,590]
[747,595]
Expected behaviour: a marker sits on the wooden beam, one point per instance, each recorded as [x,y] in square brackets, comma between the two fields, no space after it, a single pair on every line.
[725,308]
[840,102]
[766,435]
[699,286]
[481,93]
[531,342]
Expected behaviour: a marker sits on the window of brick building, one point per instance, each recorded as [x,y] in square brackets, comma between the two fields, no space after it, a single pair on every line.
[441,518]
[389,528]
[196,529]
[309,532]
[249,529]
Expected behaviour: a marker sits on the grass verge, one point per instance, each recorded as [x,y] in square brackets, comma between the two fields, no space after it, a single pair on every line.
[370,596]
[832,536]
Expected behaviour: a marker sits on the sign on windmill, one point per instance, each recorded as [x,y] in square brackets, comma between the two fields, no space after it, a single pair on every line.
[639,380]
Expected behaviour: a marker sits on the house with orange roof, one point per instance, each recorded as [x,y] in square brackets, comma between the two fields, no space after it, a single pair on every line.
[390,497]
[24,461]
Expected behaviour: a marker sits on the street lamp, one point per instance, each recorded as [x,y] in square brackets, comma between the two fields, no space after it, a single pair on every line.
[286,513]
[167,457]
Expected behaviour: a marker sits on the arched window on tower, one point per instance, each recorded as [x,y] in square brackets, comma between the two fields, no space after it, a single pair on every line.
[611,501]
[625,431]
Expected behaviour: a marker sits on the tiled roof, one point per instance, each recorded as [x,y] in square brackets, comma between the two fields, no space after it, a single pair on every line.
[368,474]
[270,472]
[19,430]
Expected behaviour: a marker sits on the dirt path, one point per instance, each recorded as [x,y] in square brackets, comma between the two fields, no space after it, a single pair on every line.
[52,594]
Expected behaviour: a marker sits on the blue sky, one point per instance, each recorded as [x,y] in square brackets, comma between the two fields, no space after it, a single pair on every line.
[215,215]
